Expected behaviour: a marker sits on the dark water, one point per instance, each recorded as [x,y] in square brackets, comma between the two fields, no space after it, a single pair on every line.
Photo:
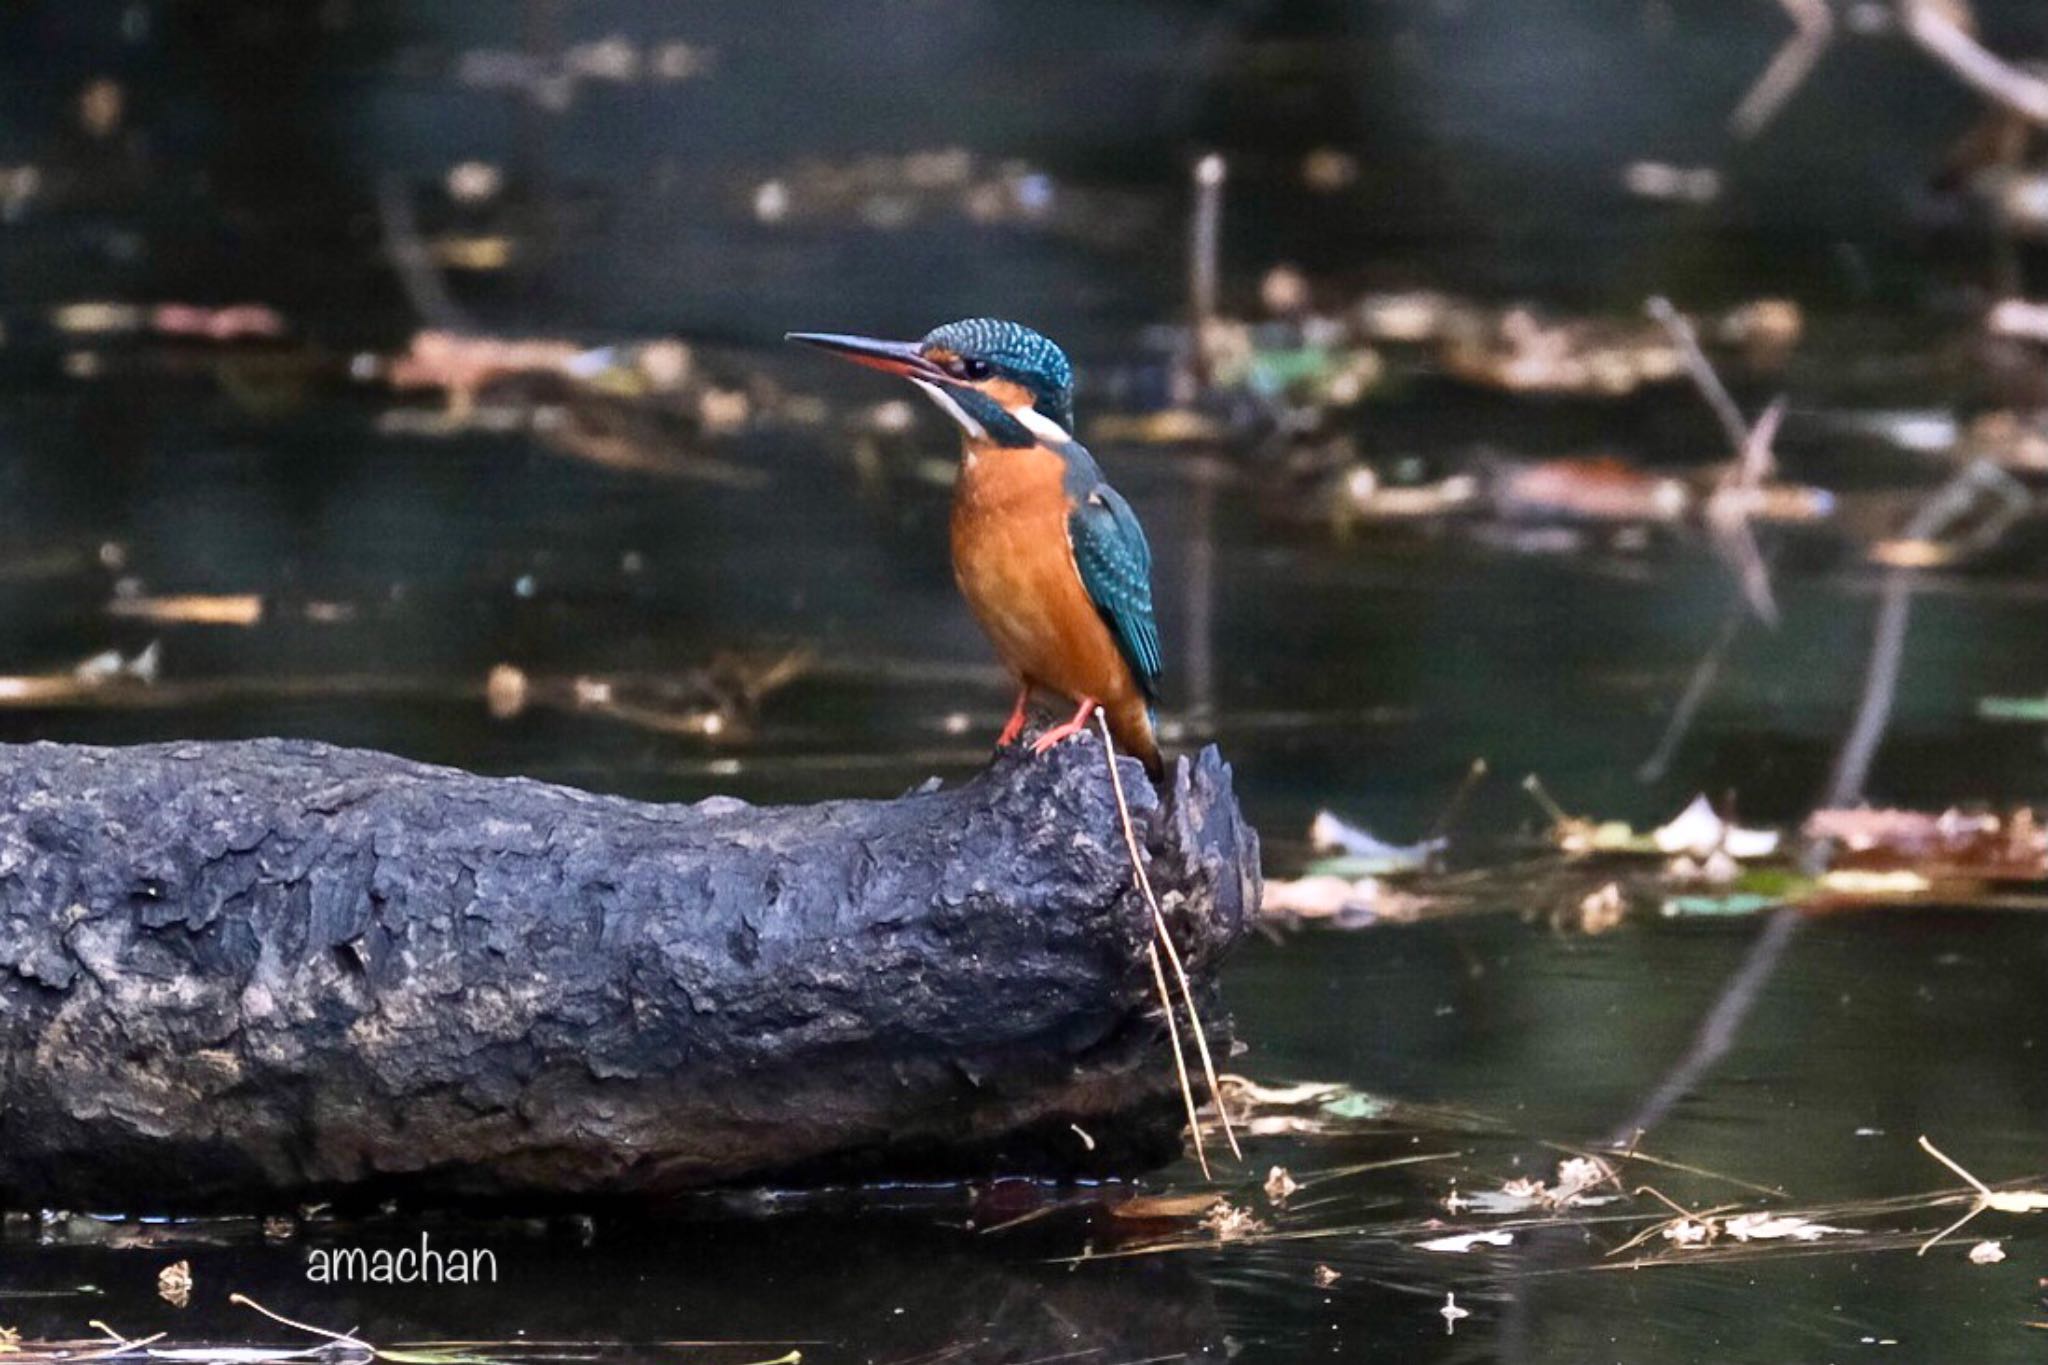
[1360,675]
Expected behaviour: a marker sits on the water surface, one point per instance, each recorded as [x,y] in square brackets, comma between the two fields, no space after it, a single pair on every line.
[1360,674]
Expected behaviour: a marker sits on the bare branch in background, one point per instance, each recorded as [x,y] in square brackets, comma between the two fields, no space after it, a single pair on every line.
[1939,27]
[1734,498]
[1729,507]
[1733,423]
[412,262]
[1697,687]
[1814,29]
[1205,229]
[1947,506]
[1846,780]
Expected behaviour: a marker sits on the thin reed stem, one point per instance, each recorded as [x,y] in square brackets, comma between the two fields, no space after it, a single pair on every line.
[1187,992]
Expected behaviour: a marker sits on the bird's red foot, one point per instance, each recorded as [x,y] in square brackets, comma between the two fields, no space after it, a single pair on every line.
[1068,730]
[1016,725]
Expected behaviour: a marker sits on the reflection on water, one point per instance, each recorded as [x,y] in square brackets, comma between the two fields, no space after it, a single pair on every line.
[354,562]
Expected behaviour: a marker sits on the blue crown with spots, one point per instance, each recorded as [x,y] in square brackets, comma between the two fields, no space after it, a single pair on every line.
[1016,353]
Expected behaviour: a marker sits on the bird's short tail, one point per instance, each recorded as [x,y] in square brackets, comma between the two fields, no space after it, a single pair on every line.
[1133,725]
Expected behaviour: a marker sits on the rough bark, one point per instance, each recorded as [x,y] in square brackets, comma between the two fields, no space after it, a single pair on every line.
[240,974]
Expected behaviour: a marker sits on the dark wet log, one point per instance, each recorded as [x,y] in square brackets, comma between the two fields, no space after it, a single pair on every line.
[244,974]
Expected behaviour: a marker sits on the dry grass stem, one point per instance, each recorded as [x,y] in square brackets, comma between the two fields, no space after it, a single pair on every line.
[2002,1201]
[1180,1059]
[1165,938]
[1773,1191]
[342,1338]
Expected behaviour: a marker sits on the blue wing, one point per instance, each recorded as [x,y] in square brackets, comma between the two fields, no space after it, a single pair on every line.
[1116,569]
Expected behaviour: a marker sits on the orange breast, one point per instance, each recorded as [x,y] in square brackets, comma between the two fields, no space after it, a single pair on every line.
[1015,567]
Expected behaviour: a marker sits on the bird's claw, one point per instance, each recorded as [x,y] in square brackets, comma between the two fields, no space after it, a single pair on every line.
[1066,730]
[1015,726]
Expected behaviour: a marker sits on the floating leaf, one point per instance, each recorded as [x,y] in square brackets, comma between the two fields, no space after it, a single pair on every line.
[1151,1207]
[1741,903]
[1357,1105]
[1465,1241]
[1362,854]
[2024,710]
[1772,1227]
[1861,884]
[1699,831]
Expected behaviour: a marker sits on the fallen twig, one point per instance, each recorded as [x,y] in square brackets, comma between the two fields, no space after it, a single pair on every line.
[2002,1201]
[340,1338]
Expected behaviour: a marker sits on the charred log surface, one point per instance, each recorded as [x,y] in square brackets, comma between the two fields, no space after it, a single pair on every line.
[238,974]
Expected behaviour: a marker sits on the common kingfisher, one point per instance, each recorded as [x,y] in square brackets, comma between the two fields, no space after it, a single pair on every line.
[1050,558]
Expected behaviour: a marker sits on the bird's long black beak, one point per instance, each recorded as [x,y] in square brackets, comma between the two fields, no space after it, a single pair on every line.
[891,357]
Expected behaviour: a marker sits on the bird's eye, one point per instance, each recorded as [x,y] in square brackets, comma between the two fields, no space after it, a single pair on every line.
[971,368]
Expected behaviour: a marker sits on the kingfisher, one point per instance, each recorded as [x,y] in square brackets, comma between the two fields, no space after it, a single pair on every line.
[1051,559]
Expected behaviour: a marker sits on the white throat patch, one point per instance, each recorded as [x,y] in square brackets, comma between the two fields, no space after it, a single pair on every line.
[1041,426]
